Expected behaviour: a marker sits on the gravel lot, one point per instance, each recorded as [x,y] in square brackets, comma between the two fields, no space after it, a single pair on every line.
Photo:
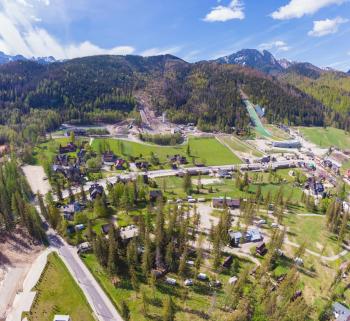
[35,177]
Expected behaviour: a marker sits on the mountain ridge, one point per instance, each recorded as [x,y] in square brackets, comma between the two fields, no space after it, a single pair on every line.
[5,58]
[207,93]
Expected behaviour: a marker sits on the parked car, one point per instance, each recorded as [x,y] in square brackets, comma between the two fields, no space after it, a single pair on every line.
[188,282]
[215,284]
[170,281]
[190,263]
[202,277]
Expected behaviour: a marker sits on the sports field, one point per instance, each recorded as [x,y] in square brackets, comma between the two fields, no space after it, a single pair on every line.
[327,137]
[205,150]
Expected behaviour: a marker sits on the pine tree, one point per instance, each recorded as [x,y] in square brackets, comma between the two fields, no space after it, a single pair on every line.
[144,300]
[182,264]
[82,193]
[90,232]
[42,206]
[112,253]
[188,150]
[125,311]
[147,255]
[168,309]
[133,279]
[131,253]
[72,136]
[70,193]
[159,235]
[187,184]
[343,228]
[170,256]
[216,252]
[100,209]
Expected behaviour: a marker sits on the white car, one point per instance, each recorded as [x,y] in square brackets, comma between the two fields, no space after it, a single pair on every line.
[202,276]
[190,263]
[188,282]
[170,281]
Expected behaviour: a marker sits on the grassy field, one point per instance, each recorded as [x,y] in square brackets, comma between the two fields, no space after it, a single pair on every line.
[57,293]
[195,307]
[174,186]
[239,146]
[277,134]
[327,137]
[313,231]
[205,150]
[50,148]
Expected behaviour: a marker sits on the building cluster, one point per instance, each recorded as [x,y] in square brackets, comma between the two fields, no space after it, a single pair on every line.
[109,158]
[332,164]
[177,160]
[70,167]
[251,235]
[225,202]
[76,132]
[316,186]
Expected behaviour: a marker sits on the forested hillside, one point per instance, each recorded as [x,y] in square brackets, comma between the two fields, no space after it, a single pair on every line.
[331,88]
[104,88]
[209,93]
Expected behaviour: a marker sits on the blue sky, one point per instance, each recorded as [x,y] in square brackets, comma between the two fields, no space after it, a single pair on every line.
[317,31]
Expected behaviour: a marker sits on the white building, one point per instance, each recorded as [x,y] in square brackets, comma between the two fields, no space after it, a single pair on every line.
[60,317]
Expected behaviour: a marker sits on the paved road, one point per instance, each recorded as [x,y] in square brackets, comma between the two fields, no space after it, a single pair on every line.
[98,300]
[171,172]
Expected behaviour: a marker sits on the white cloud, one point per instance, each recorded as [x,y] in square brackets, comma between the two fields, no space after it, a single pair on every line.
[276,46]
[299,8]
[235,10]
[325,27]
[161,51]
[20,33]
[191,56]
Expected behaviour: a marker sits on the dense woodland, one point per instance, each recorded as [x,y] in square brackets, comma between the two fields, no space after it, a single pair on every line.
[105,89]
[329,87]
[15,207]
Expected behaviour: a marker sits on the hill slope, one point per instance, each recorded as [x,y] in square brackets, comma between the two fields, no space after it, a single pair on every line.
[332,88]
[206,92]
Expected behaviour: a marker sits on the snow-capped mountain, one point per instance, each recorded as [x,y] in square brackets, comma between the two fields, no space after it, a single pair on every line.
[285,63]
[4,58]
[261,60]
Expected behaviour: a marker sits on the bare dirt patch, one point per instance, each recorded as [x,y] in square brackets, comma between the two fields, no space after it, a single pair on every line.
[17,248]
[17,253]
[207,181]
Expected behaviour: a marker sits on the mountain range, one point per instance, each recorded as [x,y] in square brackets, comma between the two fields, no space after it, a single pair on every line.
[206,92]
[4,58]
